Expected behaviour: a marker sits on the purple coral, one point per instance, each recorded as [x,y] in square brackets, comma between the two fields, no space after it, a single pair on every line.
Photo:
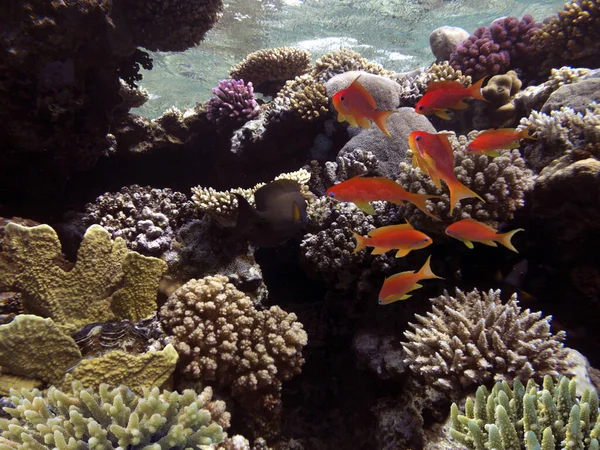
[234,102]
[505,45]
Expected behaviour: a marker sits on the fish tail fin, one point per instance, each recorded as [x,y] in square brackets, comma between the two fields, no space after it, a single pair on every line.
[426,271]
[420,201]
[475,90]
[380,119]
[525,135]
[361,241]
[504,239]
[458,191]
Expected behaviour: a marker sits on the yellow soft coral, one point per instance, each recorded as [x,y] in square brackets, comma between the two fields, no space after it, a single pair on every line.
[108,281]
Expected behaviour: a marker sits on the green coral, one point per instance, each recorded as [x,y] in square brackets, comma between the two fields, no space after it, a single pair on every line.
[110,419]
[546,418]
[108,281]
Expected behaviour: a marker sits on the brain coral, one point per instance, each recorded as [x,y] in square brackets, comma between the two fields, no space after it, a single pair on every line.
[112,419]
[222,338]
[170,25]
[474,338]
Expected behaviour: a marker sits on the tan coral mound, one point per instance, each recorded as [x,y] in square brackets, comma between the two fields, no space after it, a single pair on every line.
[308,97]
[345,60]
[474,338]
[221,337]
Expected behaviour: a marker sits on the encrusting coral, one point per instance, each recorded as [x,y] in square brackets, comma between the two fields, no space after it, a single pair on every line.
[105,418]
[474,338]
[529,417]
[107,281]
[222,338]
[269,69]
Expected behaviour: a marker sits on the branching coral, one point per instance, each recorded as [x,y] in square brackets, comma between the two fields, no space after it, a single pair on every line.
[170,26]
[345,60]
[528,417]
[505,44]
[145,218]
[308,98]
[111,419]
[234,103]
[269,69]
[222,338]
[222,206]
[502,181]
[474,338]
[107,282]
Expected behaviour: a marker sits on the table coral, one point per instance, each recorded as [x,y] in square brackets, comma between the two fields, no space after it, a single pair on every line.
[233,103]
[107,281]
[172,26]
[526,417]
[222,338]
[32,346]
[474,338]
[113,419]
[115,368]
[269,69]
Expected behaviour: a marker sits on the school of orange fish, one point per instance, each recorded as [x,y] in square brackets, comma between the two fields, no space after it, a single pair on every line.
[432,154]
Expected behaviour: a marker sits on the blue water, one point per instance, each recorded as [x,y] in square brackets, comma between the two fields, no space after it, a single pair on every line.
[392,33]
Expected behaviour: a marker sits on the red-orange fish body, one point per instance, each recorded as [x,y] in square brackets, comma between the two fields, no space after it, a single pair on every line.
[444,95]
[490,141]
[398,286]
[432,152]
[470,230]
[362,190]
[356,105]
[402,237]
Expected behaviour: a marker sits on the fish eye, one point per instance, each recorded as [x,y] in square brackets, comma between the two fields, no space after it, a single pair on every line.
[469,149]
[342,98]
[418,138]
[420,107]
[331,194]
[426,239]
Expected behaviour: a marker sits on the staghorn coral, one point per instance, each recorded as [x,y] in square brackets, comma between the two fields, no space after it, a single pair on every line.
[505,44]
[545,417]
[345,60]
[222,206]
[234,103]
[171,26]
[474,338]
[107,281]
[145,218]
[34,347]
[269,69]
[112,419]
[561,133]
[222,338]
[502,181]
[572,34]
[308,98]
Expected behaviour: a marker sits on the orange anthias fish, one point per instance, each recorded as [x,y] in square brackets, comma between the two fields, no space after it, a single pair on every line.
[362,190]
[433,154]
[398,286]
[490,141]
[470,230]
[402,237]
[356,105]
[444,95]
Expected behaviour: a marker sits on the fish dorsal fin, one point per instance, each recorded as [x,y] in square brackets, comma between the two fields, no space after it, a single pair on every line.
[390,228]
[445,84]
[267,193]
[481,224]
[363,92]
[493,131]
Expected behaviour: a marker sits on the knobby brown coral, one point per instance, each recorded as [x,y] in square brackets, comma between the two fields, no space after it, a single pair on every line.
[474,338]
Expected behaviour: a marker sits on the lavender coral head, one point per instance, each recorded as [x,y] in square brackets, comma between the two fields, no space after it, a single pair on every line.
[234,102]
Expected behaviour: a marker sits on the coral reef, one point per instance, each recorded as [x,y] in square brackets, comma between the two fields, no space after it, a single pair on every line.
[233,104]
[500,92]
[345,60]
[502,181]
[444,40]
[307,98]
[474,338]
[223,339]
[106,282]
[527,417]
[504,45]
[147,219]
[111,419]
[176,25]
[269,69]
